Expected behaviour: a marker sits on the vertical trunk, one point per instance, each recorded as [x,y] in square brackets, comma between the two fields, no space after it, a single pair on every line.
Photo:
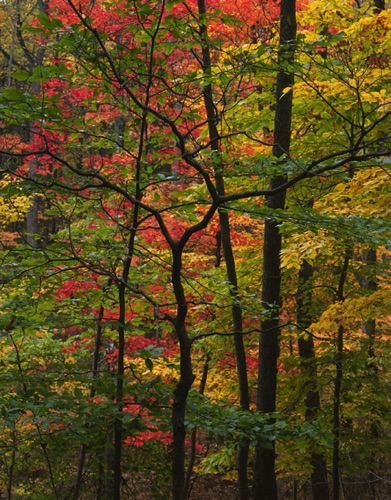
[369,283]
[11,466]
[240,353]
[338,381]
[95,371]
[184,384]
[117,476]
[108,484]
[336,412]
[121,286]
[192,456]
[33,212]
[226,243]
[264,483]
[178,425]
[320,489]
[120,375]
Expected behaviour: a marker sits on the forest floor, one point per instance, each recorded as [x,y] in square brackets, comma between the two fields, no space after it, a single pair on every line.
[212,487]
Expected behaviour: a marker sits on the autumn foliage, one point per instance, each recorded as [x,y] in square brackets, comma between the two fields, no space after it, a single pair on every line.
[128,131]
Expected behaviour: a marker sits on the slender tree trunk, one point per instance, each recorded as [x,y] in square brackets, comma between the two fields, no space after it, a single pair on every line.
[240,353]
[193,439]
[184,384]
[122,294]
[32,215]
[369,283]
[33,212]
[319,484]
[11,466]
[95,371]
[336,412]
[226,243]
[264,482]
[117,476]
[338,381]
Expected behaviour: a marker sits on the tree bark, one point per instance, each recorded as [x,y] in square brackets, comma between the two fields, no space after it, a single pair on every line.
[338,380]
[319,484]
[193,439]
[185,381]
[32,222]
[264,482]
[95,372]
[229,258]
[369,283]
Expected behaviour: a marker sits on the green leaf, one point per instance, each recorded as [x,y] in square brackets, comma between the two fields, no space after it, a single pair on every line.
[149,364]
[13,94]
[50,24]
[21,75]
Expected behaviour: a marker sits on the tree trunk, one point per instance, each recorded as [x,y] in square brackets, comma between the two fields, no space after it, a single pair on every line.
[95,371]
[178,420]
[264,483]
[193,440]
[338,381]
[226,243]
[240,353]
[185,381]
[34,62]
[369,283]
[121,286]
[319,484]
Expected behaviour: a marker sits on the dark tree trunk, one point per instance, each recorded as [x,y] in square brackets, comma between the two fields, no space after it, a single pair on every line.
[122,294]
[193,439]
[226,244]
[264,483]
[338,381]
[369,283]
[120,374]
[186,378]
[319,484]
[34,62]
[32,215]
[240,353]
[117,475]
[336,411]
[178,427]
[95,371]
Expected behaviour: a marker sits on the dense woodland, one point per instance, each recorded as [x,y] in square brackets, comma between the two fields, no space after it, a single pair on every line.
[195,249]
